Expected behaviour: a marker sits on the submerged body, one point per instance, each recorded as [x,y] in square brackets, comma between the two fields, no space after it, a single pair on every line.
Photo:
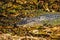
[38,19]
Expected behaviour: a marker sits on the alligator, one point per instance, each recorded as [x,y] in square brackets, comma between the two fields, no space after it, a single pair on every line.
[9,21]
[39,19]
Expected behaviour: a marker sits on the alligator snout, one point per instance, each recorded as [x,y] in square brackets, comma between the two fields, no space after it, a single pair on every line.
[39,19]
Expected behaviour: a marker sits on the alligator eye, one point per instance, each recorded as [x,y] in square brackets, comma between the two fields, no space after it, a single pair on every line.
[15,25]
